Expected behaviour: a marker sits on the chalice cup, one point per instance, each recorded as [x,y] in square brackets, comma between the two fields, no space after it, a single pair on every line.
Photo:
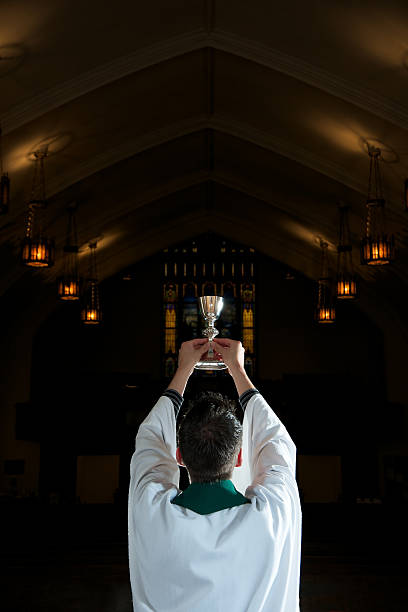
[210,308]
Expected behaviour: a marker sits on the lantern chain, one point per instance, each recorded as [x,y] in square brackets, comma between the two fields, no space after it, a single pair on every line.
[92,263]
[38,184]
[325,260]
[29,222]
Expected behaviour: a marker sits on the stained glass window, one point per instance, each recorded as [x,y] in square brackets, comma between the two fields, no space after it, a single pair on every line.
[170,326]
[248,331]
[190,312]
[208,266]
[170,299]
[228,325]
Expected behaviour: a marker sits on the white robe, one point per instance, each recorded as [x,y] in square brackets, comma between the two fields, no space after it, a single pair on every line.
[241,559]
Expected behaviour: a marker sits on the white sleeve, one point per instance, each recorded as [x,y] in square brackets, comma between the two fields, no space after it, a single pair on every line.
[267,448]
[270,447]
[154,459]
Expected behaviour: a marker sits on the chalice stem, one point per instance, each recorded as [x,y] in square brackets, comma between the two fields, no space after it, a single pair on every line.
[210,307]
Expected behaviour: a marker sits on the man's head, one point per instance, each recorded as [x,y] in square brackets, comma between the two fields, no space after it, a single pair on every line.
[210,438]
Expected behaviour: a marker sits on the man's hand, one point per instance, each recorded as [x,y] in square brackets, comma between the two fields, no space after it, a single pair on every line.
[232,353]
[190,353]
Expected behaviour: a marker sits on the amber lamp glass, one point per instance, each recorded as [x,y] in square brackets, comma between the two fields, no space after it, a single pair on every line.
[68,284]
[346,288]
[377,246]
[91,316]
[38,252]
[68,288]
[325,314]
[91,312]
[378,251]
[346,281]
[325,311]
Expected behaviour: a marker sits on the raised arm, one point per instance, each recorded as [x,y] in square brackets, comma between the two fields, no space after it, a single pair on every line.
[232,352]
[270,449]
[154,459]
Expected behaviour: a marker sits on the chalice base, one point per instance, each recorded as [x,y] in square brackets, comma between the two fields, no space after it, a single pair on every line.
[208,364]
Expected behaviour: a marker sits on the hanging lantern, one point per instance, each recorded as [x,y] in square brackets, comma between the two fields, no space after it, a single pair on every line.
[4,184]
[91,313]
[37,251]
[346,288]
[325,311]
[346,282]
[377,247]
[68,284]
[326,315]
[68,288]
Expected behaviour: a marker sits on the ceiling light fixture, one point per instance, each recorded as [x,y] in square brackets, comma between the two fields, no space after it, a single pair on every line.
[325,311]
[377,247]
[69,283]
[37,251]
[91,313]
[346,282]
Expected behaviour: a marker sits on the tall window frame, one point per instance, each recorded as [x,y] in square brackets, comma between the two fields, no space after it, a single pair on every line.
[208,265]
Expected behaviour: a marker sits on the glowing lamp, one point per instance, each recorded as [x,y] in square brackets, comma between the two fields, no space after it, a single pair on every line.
[346,288]
[68,288]
[325,314]
[91,316]
[325,311]
[68,284]
[91,312]
[377,246]
[38,252]
[377,251]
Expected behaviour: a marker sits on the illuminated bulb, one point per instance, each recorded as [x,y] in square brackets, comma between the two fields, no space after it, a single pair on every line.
[326,315]
[346,289]
[38,254]
[91,316]
[68,289]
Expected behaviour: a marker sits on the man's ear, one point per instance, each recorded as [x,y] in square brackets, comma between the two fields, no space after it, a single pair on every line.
[179,457]
[239,458]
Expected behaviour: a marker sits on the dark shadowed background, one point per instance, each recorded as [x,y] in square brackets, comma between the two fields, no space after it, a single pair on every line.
[167,122]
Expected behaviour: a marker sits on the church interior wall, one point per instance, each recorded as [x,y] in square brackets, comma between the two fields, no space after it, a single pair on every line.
[289,345]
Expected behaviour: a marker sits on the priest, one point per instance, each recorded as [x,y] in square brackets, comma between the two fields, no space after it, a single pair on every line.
[232,539]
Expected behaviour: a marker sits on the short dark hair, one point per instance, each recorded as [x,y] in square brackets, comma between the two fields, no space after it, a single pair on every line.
[209,437]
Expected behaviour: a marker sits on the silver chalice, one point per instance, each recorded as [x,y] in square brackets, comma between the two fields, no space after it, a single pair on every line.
[210,308]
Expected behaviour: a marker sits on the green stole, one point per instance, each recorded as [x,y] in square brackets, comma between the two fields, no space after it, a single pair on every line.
[207,497]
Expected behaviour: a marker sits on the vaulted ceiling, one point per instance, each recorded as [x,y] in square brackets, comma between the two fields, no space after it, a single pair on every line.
[165,119]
